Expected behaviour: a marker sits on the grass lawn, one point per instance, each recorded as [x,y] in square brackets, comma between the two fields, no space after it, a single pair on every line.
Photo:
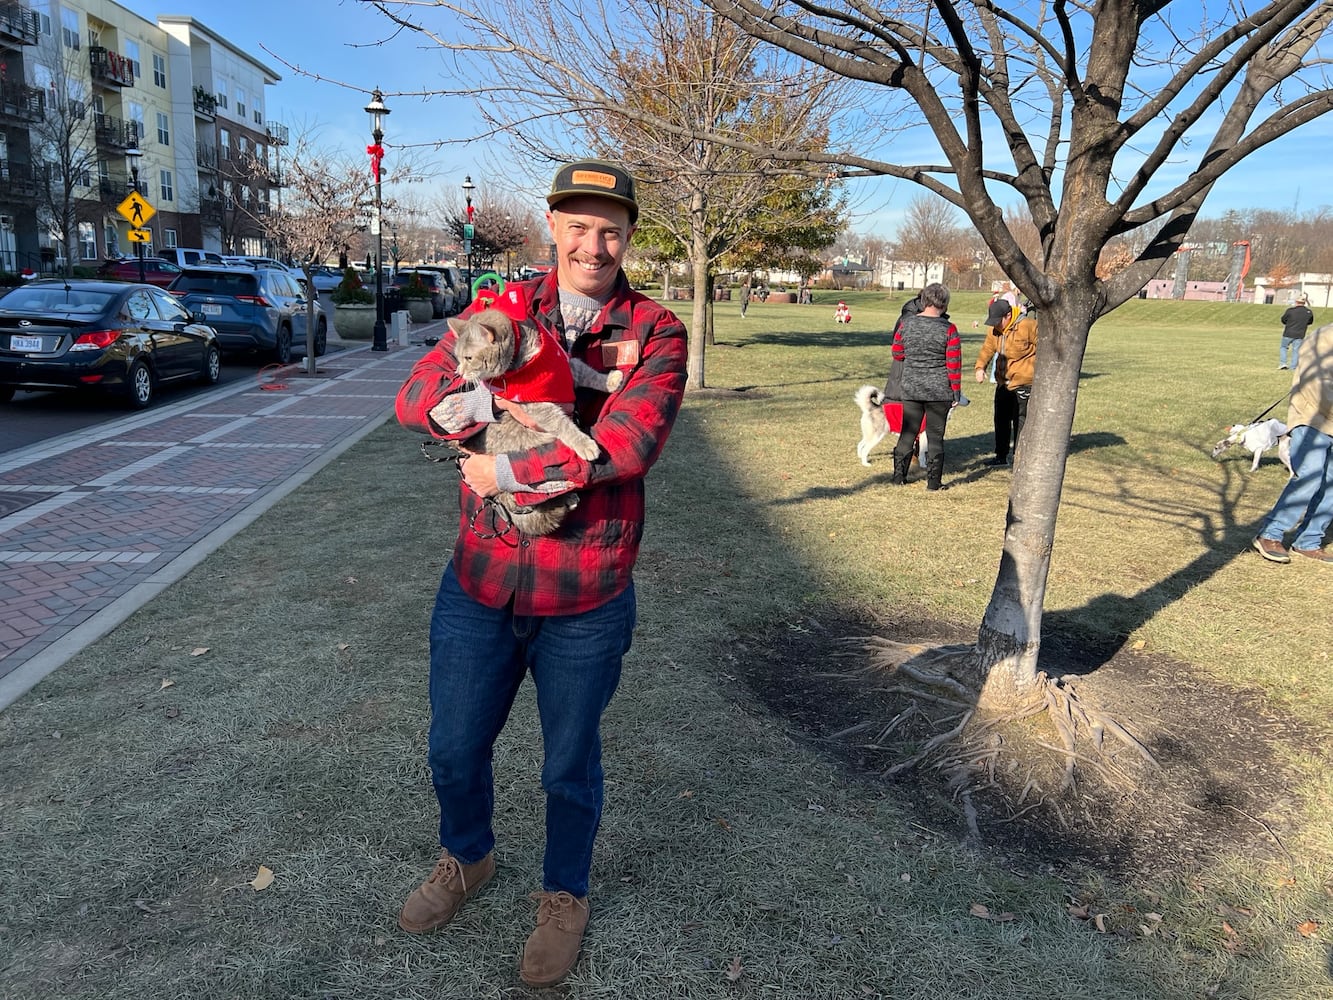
[739,855]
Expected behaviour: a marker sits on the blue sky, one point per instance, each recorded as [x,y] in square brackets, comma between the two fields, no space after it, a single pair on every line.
[333,39]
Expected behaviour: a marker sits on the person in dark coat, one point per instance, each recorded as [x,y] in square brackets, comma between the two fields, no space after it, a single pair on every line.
[931,353]
[1295,321]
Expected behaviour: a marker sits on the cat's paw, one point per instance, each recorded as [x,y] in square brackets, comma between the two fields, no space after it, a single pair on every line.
[585,447]
[450,415]
[614,379]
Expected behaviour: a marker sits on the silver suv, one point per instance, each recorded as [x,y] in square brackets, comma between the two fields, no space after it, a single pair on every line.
[252,308]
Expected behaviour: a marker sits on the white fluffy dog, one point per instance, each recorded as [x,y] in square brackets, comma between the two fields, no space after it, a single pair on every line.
[1257,438]
[875,426]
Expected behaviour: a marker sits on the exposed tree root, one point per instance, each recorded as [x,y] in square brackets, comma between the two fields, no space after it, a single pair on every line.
[969,753]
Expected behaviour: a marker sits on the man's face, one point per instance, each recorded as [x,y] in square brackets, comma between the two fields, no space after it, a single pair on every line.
[591,236]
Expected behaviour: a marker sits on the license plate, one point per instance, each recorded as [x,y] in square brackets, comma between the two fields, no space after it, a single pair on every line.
[212,309]
[25,343]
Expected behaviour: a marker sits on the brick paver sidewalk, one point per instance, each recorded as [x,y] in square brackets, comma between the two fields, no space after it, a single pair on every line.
[90,530]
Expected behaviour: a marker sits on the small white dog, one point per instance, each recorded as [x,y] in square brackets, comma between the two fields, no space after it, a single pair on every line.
[1257,438]
[875,426]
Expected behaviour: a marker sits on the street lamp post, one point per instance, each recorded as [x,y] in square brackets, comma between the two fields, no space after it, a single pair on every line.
[509,248]
[468,188]
[393,248]
[377,111]
[133,156]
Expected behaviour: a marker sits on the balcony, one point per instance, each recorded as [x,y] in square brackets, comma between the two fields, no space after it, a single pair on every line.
[206,157]
[21,103]
[20,181]
[277,134]
[205,104]
[18,25]
[116,132]
[110,68]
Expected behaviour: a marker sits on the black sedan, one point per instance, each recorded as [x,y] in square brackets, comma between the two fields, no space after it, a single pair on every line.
[106,335]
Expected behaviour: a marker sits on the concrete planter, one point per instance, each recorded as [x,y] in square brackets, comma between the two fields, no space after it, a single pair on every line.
[420,310]
[354,322]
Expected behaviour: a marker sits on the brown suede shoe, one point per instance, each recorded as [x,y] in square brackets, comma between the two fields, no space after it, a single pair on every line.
[553,948]
[1318,555]
[437,899]
[1271,550]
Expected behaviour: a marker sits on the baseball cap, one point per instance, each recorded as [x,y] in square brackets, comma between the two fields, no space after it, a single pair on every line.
[598,178]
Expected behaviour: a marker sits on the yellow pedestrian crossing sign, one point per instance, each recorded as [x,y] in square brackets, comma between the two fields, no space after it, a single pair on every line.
[141,236]
[135,209]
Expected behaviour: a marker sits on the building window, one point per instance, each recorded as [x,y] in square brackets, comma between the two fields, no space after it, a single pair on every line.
[222,93]
[259,119]
[163,132]
[132,54]
[69,27]
[111,240]
[164,178]
[224,144]
[45,17]
[168,238]
[159,70]
[87,241]
[240,103]
[82,175]
[136,116]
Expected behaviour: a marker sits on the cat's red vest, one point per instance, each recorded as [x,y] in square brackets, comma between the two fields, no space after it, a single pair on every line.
[546,376]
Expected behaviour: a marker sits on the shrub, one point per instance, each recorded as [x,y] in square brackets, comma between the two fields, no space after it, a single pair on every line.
[414,289]
[350,291]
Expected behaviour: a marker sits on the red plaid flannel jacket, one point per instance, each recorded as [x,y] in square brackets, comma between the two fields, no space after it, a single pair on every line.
[589,559]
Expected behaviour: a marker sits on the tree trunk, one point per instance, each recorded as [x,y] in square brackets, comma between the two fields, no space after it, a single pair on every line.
[694,365]
[1010,633]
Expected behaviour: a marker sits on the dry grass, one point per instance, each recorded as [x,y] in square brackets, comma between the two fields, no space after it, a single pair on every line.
[132,815]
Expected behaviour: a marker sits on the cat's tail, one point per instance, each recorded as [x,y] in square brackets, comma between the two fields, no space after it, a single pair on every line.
[868,397]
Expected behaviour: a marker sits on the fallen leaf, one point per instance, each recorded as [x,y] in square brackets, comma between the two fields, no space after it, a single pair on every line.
[724,824]
[1078,912]
[983,911]
[906,876]
[350,579]
[1225,910]
[1308,928]
[199,651]
[735,970]
[1100,922]
[262,880]
[1138,644]
[343,647]
[172,712]
[166,683]
[686,794]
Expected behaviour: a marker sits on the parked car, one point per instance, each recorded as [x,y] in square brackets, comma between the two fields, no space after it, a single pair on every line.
[252,308]
[103,335]
[155,270]
[441,295]
[185,256]
[244,261]
[326,279]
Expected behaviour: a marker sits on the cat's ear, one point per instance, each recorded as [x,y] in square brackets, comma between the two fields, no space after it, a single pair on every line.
[456,325]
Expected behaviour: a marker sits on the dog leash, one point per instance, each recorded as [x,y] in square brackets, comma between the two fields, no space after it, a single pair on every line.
[1275,403]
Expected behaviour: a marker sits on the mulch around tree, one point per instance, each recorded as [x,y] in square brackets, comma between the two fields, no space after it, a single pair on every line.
[1223,784]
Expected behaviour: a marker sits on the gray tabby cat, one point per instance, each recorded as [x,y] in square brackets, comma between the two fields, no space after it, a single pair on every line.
[487,348]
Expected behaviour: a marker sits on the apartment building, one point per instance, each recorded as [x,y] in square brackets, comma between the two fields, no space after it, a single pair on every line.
[94,98]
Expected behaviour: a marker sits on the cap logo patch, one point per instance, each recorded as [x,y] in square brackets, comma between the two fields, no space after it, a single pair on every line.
[594,178]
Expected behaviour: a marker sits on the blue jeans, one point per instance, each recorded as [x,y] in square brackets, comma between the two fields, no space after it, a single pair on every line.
[478,657]
[1289,345]
[1306,501]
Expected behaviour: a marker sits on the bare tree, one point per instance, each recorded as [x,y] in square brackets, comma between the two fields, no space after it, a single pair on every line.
[64,141]
[929,233]
[1090,103]
[680,95]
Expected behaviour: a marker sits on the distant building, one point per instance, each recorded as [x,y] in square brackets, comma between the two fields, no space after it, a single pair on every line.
[1197,291]
[1317,287]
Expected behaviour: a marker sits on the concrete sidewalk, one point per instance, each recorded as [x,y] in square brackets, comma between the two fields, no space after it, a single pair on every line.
[94,524]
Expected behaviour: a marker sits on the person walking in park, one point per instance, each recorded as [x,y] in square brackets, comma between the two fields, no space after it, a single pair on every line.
[745,297]
[559,606]
[931,353]
[1305,505]
[1012,346]
[1295,321]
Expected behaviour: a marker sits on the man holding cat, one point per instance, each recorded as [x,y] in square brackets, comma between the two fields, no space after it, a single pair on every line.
[560,606]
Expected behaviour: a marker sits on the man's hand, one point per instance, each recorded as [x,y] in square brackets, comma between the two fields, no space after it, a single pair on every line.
[478,472]
[981,374]
[521,415]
